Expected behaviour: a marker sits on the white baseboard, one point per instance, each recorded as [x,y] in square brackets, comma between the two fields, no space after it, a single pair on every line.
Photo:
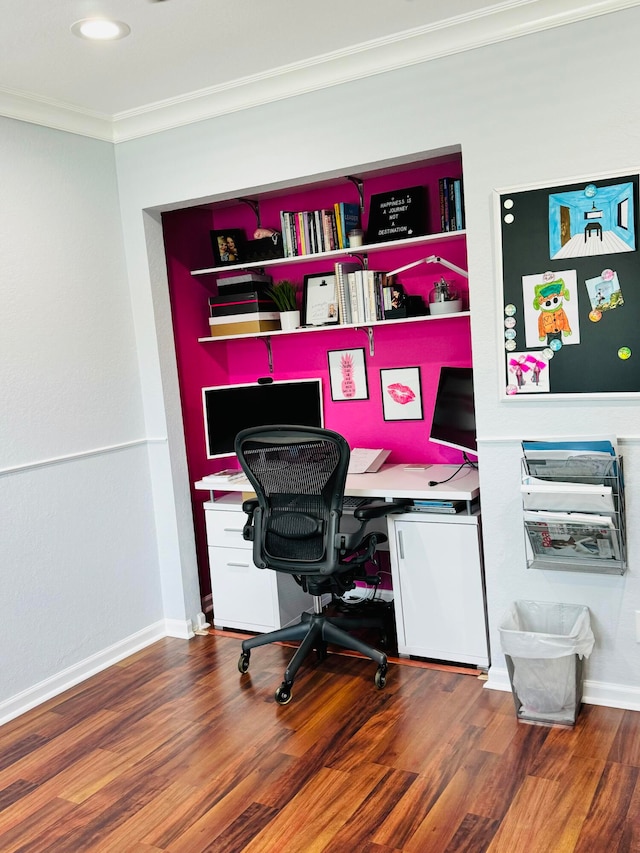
[50,687]
[603,693]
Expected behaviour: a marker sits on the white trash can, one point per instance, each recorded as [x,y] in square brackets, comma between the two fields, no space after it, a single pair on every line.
[544,644]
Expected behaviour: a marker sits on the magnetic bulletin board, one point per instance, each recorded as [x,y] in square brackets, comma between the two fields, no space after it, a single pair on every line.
[570,279]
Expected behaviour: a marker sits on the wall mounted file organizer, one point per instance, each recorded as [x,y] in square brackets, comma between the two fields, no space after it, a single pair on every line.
[573,508]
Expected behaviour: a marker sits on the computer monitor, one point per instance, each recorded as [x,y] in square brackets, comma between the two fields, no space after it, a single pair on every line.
[454,419]
[228,409]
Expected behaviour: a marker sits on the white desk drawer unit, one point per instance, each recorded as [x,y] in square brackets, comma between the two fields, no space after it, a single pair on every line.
[438,586]
[244,597]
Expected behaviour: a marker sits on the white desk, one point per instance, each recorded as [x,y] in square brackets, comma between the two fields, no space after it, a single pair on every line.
[391,481]
[436,564]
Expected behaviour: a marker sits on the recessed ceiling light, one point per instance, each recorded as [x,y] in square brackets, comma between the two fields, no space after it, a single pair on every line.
[100,29]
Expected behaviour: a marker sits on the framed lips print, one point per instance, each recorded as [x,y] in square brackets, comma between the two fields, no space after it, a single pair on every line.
[401,394]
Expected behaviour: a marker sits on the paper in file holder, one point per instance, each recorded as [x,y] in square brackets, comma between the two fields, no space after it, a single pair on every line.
[574,516]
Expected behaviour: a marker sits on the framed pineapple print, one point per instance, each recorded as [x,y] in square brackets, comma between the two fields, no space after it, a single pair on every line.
[348,375]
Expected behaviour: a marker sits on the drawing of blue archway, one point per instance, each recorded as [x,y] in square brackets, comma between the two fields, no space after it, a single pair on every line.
[592,220]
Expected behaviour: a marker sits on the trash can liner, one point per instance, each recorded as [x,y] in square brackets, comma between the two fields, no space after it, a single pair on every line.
[547,630]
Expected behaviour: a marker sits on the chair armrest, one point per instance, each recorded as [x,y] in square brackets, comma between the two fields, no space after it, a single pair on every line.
[249,507]
[379,510]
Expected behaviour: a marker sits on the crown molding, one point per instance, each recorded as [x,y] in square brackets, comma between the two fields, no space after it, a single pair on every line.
[496,23]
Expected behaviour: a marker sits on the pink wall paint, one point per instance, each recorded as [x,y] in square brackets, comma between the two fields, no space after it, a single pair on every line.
[426,344]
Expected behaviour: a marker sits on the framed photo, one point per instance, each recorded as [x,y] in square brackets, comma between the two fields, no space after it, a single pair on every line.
[228,246]
[401,394]
[348,374]
[320,300]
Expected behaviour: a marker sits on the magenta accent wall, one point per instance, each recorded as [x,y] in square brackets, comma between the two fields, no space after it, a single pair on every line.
[427,344]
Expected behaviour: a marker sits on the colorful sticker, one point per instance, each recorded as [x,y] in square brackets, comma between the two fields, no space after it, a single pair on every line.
[604,292]
[550,301]
[624,353]
[509,345]
[529,372]
[556,344]
[547,353]
[509,322]
[595,315]
[510,310]
[509,334]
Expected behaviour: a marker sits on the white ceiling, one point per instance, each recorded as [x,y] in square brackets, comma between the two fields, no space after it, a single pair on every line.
[190,59]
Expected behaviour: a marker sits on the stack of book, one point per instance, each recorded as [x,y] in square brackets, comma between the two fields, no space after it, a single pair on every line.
[451,204]
[364,296]
[308,232]
[242,306]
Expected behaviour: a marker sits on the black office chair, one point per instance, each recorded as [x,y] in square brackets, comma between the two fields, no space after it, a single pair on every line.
[299,474]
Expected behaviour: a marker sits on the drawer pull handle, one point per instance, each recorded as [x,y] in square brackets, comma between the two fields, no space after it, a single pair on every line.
[401,544]
[232,529]
[238,565]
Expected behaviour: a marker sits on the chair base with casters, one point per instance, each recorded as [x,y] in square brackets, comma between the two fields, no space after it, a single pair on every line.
[315,631]
[299,476]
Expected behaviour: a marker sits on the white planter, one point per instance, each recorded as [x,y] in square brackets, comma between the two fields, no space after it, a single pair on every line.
[289,320]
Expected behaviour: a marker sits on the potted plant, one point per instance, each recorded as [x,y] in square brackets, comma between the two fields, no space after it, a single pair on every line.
[284,293]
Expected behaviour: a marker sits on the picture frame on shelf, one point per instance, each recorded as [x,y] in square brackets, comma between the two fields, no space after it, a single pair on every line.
[228,246]
[348,374]
[320,300]
[401,394]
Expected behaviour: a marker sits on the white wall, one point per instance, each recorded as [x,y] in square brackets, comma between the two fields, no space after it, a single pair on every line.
[78,554]
[541,108]
[90,564]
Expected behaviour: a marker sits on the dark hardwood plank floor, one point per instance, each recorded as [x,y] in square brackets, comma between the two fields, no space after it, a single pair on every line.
[172,750]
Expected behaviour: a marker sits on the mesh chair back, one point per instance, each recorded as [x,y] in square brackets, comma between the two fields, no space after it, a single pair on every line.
[299,475]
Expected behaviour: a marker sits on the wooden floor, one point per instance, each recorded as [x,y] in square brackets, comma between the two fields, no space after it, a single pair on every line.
[173,750]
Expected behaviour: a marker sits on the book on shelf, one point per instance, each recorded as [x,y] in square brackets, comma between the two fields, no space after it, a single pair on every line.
[451,199]
[342,270]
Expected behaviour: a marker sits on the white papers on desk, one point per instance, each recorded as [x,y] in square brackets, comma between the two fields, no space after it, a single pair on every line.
[566,497]
[364,460]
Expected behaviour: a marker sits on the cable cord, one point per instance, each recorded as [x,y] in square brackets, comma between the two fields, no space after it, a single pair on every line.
[457,471]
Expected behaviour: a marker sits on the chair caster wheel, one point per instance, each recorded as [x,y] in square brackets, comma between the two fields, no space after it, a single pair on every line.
[283,694]
[321,652]
[380,678]
[243,662]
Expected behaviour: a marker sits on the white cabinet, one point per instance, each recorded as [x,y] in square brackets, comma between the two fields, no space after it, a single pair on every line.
[245,597]
[438,585]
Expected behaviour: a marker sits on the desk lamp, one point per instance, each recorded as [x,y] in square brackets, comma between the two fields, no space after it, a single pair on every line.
[442,299]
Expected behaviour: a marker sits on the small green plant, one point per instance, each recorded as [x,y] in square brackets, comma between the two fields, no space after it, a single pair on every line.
[284,295]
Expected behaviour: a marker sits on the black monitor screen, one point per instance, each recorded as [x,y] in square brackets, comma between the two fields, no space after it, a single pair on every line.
[231,408]
[454,419]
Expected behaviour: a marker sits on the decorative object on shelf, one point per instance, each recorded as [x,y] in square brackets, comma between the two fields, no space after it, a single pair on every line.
[320,300]
[285,295]
[266,246]
[228,246]
[396,215]
[401,394]
[444,298]
[394,300]
[348,374]
[356,238]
